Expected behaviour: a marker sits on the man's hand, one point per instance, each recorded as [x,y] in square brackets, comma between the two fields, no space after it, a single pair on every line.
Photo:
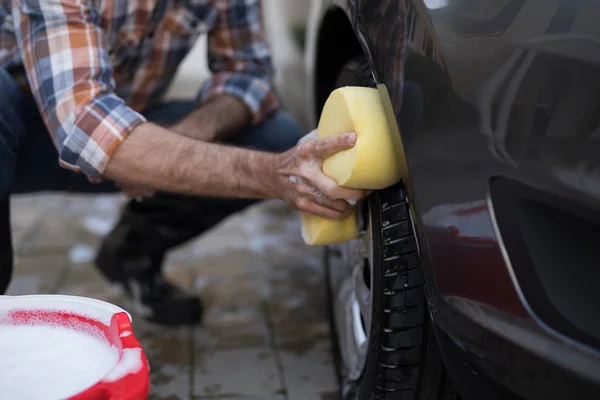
[302,183]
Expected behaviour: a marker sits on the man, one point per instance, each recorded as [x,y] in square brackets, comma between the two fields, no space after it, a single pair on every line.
[92,74]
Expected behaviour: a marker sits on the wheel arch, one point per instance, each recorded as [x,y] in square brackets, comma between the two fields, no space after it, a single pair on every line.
[333,41]
[335,44]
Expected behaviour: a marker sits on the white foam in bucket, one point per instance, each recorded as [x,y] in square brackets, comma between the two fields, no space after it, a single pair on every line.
[58,359]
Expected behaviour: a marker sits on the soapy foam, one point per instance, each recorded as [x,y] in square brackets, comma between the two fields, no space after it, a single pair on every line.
[81,254]
[48,362]
[131,363]
[98,225]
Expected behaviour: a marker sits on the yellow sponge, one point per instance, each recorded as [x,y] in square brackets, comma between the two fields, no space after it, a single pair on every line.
[373,163]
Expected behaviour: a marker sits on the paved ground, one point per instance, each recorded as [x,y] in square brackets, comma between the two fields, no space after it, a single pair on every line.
[266,334]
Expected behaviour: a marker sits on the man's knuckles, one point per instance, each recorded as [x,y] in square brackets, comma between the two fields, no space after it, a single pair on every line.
[311,173]
[306,150]
[302,203]
[326,147]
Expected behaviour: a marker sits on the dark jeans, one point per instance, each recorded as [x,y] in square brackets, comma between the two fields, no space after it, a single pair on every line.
[29,163]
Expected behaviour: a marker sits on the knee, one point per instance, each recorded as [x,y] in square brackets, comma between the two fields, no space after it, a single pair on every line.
[10,128]
[278,133]
[11,102]
[289,127]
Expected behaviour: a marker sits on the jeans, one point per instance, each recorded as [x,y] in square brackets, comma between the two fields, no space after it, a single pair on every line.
[29,163]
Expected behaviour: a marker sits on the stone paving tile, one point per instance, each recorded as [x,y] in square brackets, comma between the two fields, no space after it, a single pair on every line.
[236,372]
[261,397]
[308,370]
[234,315]
[169,352]
[26,213]
[297,305]
[85,280]
[213,267]
[26,209]
[37,274]
[72,221]
[19,236]
[56,233]
[23,218]
[177,387]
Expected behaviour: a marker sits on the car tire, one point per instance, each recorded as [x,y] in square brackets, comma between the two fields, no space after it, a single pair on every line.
[402,361]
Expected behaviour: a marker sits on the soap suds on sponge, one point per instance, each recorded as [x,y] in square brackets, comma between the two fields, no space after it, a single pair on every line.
[49,362]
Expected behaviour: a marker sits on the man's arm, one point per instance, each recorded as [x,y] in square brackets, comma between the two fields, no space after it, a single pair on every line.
[240,91]
[218,118]
[156,158]
[69,70]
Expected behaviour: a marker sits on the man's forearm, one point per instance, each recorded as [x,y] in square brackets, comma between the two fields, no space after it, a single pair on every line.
[222,116]
[163,160]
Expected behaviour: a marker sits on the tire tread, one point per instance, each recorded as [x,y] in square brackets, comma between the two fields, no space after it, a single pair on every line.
[403,362]
[401,331]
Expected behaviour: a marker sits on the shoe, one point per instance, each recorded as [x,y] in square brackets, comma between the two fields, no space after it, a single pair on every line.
[6,250]
[150,294]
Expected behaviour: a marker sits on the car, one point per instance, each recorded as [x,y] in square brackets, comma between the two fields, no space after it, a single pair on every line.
[476,277]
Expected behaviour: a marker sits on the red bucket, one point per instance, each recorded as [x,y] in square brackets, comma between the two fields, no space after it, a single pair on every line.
[127,374]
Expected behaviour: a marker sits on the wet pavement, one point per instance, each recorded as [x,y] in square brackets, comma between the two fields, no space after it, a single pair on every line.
[265,334]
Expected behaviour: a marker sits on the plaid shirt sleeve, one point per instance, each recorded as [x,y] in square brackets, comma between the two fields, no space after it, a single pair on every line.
[240,58]
[69,71]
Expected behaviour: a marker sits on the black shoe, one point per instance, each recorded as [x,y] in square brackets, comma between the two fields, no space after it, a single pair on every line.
[152,297]
[6,250]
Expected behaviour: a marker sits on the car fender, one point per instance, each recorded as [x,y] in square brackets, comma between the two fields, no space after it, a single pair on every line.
[318,9]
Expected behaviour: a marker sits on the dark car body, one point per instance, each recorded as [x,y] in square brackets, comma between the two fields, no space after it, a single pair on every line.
[504,176]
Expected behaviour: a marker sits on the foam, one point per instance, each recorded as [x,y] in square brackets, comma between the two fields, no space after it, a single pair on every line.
[81,254]
[98,225]
[130,363]
[49,362]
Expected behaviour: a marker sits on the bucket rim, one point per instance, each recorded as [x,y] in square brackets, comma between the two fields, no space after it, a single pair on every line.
[60,302]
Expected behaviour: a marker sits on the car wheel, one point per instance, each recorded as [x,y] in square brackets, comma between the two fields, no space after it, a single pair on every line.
[386,347]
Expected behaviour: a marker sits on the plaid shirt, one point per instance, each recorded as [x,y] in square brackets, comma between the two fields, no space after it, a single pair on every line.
[92,67]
